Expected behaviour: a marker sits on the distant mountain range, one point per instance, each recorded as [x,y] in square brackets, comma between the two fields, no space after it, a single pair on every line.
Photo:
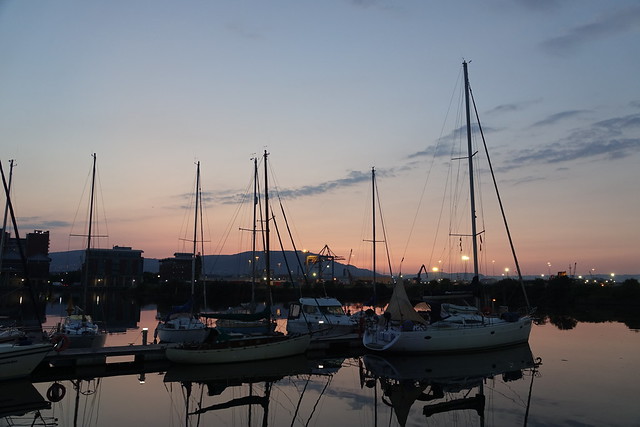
[219,265]
[225,266]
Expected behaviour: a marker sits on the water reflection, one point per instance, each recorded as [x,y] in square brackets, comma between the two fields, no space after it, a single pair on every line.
[446,382]
[349,389]
[20,397]
[247,387]
[300,390]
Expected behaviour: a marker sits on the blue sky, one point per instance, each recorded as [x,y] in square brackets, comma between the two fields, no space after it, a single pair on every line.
[330,89]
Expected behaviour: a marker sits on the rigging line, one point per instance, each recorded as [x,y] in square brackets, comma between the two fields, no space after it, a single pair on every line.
[286,262]
[104,212]
[315,405]
[429,170]
[384,230]
[453,184]
[504,217]
[202,271]
[225,236]
[23,257]
[293,243]
[6,213]
[203,217]
[290,234]
[186,204]
[295,414]
[198,418]
[440,217]
[275,188]
[449,187]
[80,203]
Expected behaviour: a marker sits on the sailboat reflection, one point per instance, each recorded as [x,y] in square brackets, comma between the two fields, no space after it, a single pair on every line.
[81,396]
[445,382]
[21,402]
[250,385]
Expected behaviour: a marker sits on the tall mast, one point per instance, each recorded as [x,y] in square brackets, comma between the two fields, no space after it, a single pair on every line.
[267,257]
[25,264]
[195,230]
[471,183]
[253,231]
[373,210]
[89,231]
[6,213]
[91,201]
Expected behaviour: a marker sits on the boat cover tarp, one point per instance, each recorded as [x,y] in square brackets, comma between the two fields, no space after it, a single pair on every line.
[178,309]
[401,308]
[246,317]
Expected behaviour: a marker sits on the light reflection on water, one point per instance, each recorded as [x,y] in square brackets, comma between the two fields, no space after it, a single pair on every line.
[588,376]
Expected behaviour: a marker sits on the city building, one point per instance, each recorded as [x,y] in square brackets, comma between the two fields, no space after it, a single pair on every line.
[35,248]
[178,268]
[120,267]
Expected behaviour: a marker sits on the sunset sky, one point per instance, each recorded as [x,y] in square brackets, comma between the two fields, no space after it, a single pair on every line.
[330,89]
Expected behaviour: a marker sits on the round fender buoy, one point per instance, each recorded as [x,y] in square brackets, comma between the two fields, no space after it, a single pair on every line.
[60,342]
[56,392]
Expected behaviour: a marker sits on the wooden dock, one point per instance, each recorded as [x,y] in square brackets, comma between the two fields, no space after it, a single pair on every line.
[87,355]
[83,363]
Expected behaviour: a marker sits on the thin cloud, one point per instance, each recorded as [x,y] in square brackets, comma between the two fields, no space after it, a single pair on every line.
[510,108]
[607,25]
[443,147]
[352,178]
[438,150]
[619,124]
[594,142]
[37,223]
[505,108]
[557,117]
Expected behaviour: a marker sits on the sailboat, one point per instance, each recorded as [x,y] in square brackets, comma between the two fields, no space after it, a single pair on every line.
[19,355]
[181,325]
[246,319]
[221,347]
[450,328]
[78,329]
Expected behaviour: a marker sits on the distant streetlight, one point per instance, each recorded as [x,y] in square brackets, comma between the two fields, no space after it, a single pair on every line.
[465,258]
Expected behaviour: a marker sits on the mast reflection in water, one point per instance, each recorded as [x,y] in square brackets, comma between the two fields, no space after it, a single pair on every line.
[445,382]
[506,387]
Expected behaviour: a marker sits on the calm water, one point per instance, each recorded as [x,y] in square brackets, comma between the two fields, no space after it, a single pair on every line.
[588,376]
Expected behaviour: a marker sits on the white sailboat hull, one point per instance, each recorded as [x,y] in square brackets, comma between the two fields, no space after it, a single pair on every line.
[96,340]
[170,335]
[251,350]
[18,361]
[449,337]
